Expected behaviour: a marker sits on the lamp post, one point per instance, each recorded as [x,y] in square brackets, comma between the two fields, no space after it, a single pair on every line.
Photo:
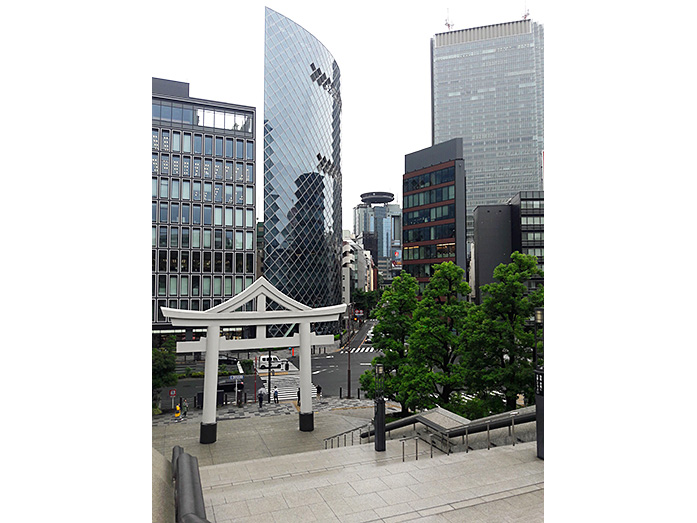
[379,407]
[539,320]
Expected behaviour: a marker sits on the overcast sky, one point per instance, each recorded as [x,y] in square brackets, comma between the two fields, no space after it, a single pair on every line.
[382,49]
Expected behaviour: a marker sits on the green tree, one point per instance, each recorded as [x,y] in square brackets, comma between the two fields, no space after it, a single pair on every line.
[500,359]
[163,367]
[395,324]
[441,338]
[365,300]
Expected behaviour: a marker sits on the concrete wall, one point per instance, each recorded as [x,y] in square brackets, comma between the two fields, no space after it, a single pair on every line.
[162,489]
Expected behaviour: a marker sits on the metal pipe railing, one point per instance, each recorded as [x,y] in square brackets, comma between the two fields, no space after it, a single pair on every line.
[330,440]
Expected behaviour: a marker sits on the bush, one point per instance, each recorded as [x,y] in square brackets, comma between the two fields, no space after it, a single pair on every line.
[247,366]
[156,411]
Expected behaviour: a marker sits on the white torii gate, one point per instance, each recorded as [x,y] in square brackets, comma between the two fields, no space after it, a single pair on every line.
[225,314]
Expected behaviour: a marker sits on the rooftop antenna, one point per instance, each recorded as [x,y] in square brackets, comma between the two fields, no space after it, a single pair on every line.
[527,11]
[448,23]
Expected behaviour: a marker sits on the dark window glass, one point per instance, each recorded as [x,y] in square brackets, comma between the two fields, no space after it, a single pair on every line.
[207,215]
[154,211]
[162,286]
[228,240]
[176,113]
[163,212]
[228,261]
[156,110]
[208,147]
[207,261]
[250,150]
[166,112]
[163,237]
[195,286]
[187,114]
[173,257]
[174,237]
[185,213]
[218,170]
[185,238]
[185,260]
[197,215]
[208,169]
[250,263]
[218,239]
[162,261]
[239,263]
[228,145]
[198,143]
[196,261]
[218,145]
[197,167]
[218,261]
[240,149]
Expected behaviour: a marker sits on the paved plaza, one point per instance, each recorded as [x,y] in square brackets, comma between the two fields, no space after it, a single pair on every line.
[263,468]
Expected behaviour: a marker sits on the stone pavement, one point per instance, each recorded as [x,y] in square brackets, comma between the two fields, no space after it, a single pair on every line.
[263,468]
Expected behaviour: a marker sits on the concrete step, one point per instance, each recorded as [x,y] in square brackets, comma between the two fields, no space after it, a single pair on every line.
[372,485]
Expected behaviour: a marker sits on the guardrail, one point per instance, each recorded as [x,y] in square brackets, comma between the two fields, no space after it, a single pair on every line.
[329,442]
[188,494]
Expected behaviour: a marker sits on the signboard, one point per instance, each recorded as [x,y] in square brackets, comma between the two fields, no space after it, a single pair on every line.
[172,393]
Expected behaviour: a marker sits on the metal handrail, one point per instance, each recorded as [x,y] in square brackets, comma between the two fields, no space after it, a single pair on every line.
[350,431]
[416,454]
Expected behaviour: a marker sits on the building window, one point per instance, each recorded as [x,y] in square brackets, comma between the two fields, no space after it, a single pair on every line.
[155,140]
[206,286]
[228,240]
[174,191]
[239,195]
[155,162]
[174,237]
[196,261]
[239,240]
[176,141]
[186,184]
[206,261]
[186,166]
[207,212]
[250,150]
[185,261]
[174,214]
[196,238]
[250,196]
[175,164]
[208,146]
[239,172]
[186,146]
[197,167]
[218,216]
[218,239]
[250,173]
[184,285]
[228,217]
[240,149]
[250,241]
[163,212]
[195,281]
[197,215]
[172,285]
[162,261]
[229,170]
[162,285]
[218,259]
[207,192]
[154,236]
[185,214]
[250,263]
[239,263]
[250,217]
[198,144]
[185,237]
[164,144]
[197,191]
[217,286]
[239,222]
[206,238]
[228,262]
[218,145]
[218,170]
[228,146]
[163,236]
[228,285]
[208,169]
[154,187]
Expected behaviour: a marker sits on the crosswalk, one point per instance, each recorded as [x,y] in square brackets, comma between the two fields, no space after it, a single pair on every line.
[287,387]
[354,350]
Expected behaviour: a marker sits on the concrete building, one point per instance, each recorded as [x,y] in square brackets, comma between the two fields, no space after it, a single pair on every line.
[434,229]
[302,165]
[203,202]
[487,87]
[500,230]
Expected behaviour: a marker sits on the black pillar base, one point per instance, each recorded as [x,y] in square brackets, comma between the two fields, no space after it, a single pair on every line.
[307,422]
[209,432]
[380,424]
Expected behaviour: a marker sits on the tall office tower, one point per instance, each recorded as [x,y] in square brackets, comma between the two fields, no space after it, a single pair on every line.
[434,210]
[302,164]
[487,86]
[203,203]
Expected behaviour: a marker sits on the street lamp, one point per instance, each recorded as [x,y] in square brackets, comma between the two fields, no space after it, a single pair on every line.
[539,320]
[379,407]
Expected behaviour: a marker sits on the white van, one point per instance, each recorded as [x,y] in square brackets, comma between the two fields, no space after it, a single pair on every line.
[275,362]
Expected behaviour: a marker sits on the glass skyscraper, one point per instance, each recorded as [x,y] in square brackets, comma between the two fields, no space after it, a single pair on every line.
[487,86]
[302,164]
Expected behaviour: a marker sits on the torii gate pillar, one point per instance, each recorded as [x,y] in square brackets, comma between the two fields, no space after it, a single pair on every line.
[209,425]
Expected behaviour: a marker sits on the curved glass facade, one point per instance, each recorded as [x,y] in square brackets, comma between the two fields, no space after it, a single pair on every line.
[302,164]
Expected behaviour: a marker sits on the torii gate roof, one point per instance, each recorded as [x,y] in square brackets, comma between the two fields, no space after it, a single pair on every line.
[225,313]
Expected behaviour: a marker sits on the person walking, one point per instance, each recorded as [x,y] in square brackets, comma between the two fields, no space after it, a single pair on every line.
[185,408]
[260,395]
[298,396]
[275,394]
[319,391]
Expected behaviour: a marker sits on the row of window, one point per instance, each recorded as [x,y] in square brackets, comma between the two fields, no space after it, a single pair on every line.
[175,213]
[192,304]
[534,251]
[428,179]
[169,189]
[185,238]
[434,195]
[533,236]
[442,212]
[532,220]
[185,285]
[421,270]
[179,142]
[434,232]
[192,115]
[425,252]
[532,204]
[206,261]
[184,166]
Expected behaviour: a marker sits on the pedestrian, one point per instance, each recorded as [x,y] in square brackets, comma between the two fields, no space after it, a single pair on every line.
[260,395]
[298,396]
[319,391]
[186,408]
[177,413]
[275,394]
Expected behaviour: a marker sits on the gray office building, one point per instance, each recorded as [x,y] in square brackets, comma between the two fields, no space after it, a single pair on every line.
[302,164]
[501,229]
[203,201]
[487,86]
